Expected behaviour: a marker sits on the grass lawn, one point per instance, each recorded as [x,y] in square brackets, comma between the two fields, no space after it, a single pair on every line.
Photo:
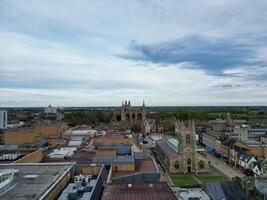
[213,178]
[181,181]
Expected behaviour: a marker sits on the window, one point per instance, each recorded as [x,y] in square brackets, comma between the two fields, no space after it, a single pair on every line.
[189,161]
[176,165]
[201,164]
[187,140]
[5,177]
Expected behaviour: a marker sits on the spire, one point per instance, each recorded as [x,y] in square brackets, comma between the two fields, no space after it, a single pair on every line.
[182,124]
[143,103]
[125,103]
[122,103]
[193,124]
[189,123]
[129,103]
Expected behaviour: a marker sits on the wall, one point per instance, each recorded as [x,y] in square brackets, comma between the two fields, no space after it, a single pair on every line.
[106,153]
[101,180]
[27,135]
[54,191]
[259,151]
[114,140]
[123,167]
[225,151]
[35,157]
[88,170]
[59,187]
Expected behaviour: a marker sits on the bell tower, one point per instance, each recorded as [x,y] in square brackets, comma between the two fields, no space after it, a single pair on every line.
[187,145]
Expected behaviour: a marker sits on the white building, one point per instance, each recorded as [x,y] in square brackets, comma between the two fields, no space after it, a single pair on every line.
[6,177]
[50,110]
[256,170]
[238,132]
[3,119]
[246,161]
[147,127]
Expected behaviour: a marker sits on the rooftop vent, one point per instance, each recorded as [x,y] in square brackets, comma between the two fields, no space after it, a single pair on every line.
[130,185]
[31,176]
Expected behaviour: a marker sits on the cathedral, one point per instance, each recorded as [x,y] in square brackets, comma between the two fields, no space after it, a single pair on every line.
[131,117]
[182,157]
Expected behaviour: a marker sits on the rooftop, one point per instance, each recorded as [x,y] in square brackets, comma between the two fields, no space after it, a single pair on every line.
[252,143]
[122,149]
[229,142]
[80,157]
[31,181]
[261,186]
[139,191]
[166,148]
[113,160]
[174,142]
[143,165]
[80,130]
[193,193]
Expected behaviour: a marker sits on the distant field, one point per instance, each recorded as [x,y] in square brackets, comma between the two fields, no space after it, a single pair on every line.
[213,178]
[182,181]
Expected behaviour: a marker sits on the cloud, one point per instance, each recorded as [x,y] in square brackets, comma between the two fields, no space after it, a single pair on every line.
[227,86]
[213,55]
[62,52]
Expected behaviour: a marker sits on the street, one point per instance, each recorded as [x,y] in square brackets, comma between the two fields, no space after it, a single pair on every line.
[222,167]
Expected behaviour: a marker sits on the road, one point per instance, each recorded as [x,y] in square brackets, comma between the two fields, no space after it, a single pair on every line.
[223,168]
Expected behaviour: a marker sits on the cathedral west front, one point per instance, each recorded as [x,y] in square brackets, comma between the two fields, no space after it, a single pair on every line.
[131,117]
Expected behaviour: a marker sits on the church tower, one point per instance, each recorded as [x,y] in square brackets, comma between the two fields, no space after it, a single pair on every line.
[187,146]
[132,117]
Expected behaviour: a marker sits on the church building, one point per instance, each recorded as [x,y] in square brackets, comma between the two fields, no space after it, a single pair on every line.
[182,156]
[131,117]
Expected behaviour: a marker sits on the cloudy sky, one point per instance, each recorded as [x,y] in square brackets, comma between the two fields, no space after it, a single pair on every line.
[100,52]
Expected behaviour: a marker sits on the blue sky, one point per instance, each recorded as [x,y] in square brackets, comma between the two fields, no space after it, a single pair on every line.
[98,53]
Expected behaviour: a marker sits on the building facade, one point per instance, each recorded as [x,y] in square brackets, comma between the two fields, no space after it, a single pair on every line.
[237,132]
[3,119]
[188,160]
[131,117]
[185,158]
[50,110]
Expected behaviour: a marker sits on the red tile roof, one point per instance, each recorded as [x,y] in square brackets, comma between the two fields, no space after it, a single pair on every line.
[139,191]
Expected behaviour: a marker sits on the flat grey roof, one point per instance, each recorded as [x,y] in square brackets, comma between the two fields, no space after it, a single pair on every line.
[43,176]
[261,186]
[113,160]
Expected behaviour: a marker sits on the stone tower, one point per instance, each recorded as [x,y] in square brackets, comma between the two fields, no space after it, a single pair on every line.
[132,117]
[187,146]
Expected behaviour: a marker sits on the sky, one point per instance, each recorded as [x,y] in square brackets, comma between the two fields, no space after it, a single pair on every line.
[99,53]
